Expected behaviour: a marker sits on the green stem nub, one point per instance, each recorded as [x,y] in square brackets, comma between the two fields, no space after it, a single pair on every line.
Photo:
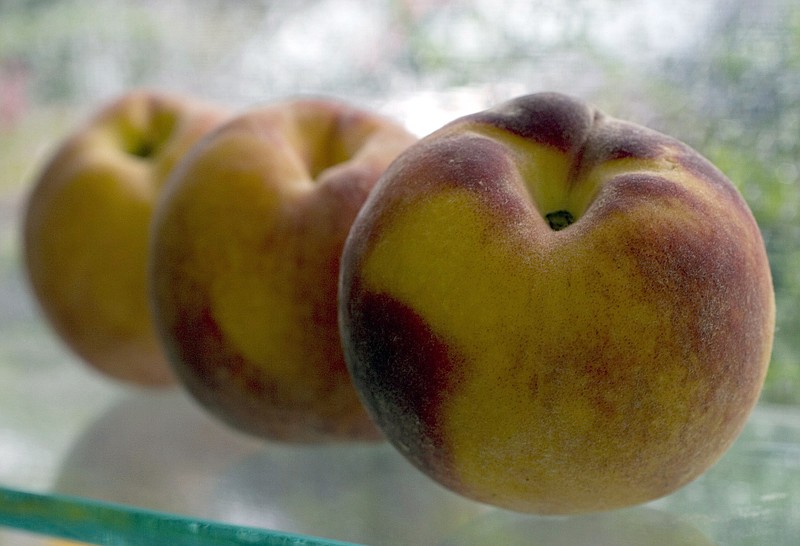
[144,149]
[559,219]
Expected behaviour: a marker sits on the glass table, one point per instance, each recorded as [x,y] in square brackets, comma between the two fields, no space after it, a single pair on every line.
[111,465]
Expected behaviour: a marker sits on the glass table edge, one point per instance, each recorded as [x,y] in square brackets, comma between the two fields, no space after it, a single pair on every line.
[102,523]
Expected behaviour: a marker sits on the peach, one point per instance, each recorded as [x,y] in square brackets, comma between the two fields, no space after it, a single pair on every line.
[87,223]
[553,311]
[245,251]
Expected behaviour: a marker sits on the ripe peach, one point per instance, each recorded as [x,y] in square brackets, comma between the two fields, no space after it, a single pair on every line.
[245,251]
[554,311]
[87,223]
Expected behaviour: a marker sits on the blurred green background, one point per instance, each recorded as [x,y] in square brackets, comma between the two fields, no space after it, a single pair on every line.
[722,75]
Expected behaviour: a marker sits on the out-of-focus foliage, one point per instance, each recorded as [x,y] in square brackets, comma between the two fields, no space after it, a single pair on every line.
[79,50]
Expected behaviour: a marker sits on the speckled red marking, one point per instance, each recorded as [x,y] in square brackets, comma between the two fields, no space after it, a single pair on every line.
[404,370]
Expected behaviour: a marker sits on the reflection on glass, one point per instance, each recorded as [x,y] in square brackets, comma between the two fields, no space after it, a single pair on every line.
[633,527]
[161,451]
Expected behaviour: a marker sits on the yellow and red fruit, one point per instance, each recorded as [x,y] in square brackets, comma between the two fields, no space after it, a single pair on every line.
[554,311]
[244,263]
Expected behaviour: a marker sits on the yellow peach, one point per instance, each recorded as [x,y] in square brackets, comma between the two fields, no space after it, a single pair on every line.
[554,311]
[87,223]
[245,251]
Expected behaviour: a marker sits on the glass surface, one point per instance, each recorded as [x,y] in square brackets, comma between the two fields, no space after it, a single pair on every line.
[85,458]
[153,468]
